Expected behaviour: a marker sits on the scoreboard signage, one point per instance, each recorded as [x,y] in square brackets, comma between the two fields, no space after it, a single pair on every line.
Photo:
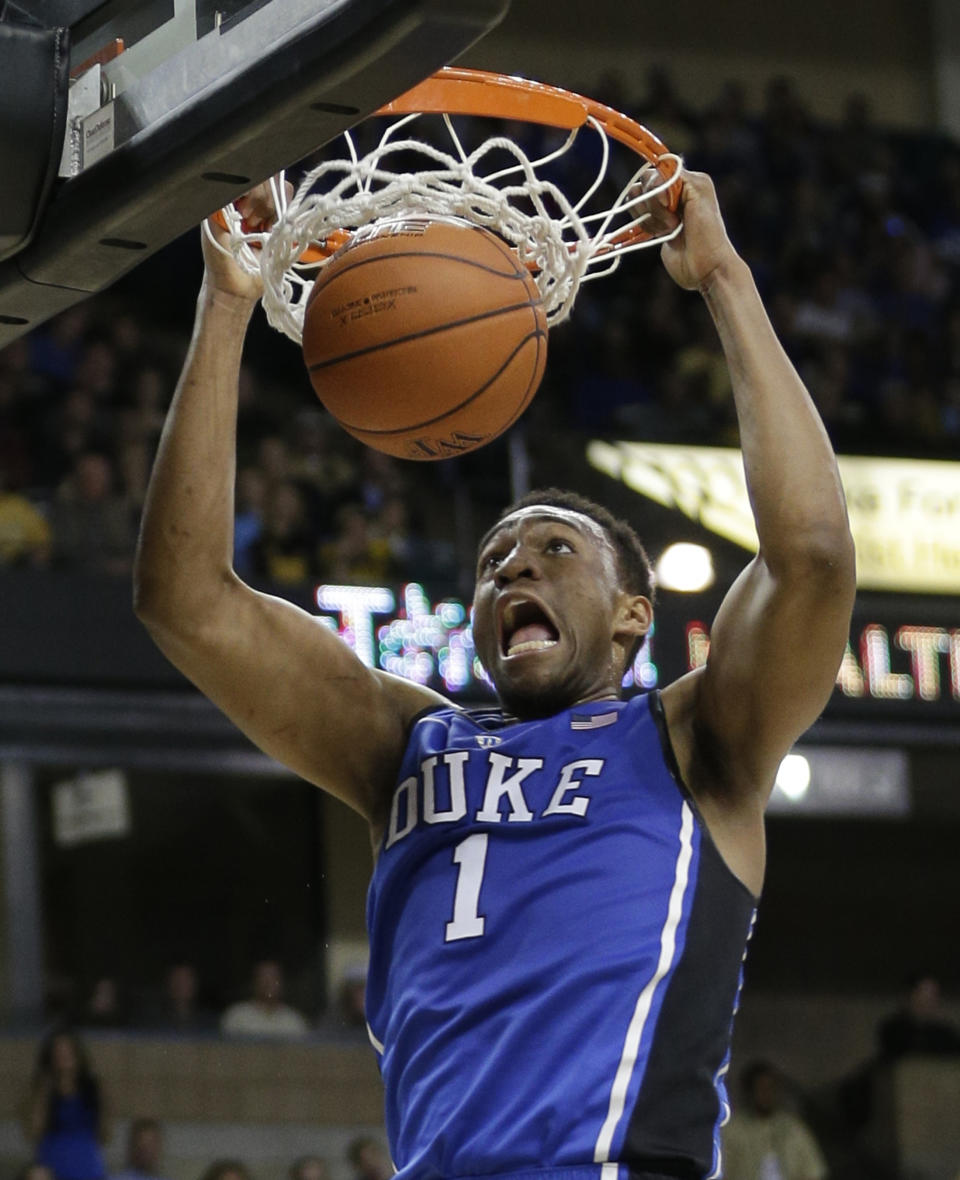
[904,513]
[902,660]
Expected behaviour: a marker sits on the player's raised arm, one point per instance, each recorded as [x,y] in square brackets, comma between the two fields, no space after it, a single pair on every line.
[291,685]
[778,639]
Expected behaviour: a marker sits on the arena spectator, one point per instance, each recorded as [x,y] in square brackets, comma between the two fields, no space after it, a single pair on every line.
[65,1116]
[381,477]
[178,1008]
[764,1141]
[226,1169]
[283,554]
[321,460]
[407,557]
[273,458]
[264,1014]
[852,231]
[368,1159]
[56,348]
[35,1172]
[920,1024]
[73,424]
[248,517]
[355,556]
[258,417]
[140,424]
[96,369]
[93,526]
[105,1006]
[663,108]
[309,1167]
[25,535]
[144,1151]
[352,998]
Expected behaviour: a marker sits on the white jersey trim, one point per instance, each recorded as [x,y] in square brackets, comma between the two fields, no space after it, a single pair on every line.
[373,1041]
[668,947]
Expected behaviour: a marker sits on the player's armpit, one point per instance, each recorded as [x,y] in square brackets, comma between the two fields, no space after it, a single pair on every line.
[775,648]
[298,692]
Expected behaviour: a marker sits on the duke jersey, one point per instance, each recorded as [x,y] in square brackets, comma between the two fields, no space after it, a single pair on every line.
[556,951]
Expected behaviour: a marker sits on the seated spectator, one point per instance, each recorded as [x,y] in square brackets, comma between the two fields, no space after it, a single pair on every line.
[309,1167]
[368,1159]
[56,348]
[920,1024]
[65,1118]
[104,1007]
[144,1150]
[93,527]
[182,1010]
[264,1014]
[35,1172]
[381,476]
[226,1170]
[25,537]
[251,495]
[321,459]
[408,557]
[283,552]
[355,556]
[352,998]
[763,1141]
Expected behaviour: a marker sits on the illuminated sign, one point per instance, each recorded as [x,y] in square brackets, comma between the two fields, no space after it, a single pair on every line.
[890,667]
[430,643]
[931,669]
[904,513]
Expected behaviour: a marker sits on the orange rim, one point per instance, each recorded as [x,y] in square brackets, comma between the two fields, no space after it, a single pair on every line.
[457,91]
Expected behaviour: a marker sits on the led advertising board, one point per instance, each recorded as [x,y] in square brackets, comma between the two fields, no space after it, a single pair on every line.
[902,660]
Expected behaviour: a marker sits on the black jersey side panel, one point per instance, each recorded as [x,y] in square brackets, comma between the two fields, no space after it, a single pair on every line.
[682,1092]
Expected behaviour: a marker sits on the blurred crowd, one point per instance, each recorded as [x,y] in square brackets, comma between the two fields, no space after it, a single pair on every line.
[852,231]
[82,404]
[67,1124]
[853,234]
[182,1004]
[778,1130]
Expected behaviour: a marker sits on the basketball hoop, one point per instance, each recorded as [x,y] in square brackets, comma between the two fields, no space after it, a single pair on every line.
[563,241]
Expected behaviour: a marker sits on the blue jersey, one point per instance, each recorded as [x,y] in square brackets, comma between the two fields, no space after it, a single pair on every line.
[556,951]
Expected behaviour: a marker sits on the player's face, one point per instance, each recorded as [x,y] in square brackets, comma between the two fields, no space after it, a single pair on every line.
[549,615]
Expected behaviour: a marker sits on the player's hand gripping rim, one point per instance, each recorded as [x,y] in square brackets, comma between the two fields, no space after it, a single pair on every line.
[697,246]
[258,209]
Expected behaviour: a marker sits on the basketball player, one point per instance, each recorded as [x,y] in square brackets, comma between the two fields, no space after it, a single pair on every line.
[564,888]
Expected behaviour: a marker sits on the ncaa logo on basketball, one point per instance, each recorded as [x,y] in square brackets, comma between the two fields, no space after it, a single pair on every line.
[486,740]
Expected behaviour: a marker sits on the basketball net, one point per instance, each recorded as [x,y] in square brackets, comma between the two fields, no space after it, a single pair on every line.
[563,241]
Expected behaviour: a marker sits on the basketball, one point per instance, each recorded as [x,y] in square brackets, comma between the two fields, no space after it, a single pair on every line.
[425,338]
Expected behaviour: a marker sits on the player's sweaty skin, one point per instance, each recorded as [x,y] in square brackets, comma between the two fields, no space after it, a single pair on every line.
[305,698]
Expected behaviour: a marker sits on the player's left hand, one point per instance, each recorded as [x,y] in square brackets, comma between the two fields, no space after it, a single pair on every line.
[702,246]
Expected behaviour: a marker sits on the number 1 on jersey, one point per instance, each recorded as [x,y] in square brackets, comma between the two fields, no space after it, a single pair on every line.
[470,855]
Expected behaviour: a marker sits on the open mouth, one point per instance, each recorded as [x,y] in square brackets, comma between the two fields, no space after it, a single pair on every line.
[525,627]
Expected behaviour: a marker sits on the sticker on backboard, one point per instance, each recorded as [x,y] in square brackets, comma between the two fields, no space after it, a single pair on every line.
[98,135]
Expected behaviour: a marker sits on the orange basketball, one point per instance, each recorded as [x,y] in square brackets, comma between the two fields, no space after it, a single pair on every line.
[425,338]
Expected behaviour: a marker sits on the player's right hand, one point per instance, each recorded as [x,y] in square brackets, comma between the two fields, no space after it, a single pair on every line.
[258,211]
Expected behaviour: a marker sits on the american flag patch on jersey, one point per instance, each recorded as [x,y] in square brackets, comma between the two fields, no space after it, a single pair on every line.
[597,721]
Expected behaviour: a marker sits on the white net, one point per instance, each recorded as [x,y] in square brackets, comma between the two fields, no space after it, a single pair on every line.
[497,186]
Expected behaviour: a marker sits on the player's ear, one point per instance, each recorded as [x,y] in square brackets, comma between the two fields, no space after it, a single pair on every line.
[634,616]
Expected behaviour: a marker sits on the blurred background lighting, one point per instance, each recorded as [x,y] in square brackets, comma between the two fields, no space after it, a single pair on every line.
[685,567]
[793,777]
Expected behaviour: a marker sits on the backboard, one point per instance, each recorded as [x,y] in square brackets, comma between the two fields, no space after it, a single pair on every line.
[175,107]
